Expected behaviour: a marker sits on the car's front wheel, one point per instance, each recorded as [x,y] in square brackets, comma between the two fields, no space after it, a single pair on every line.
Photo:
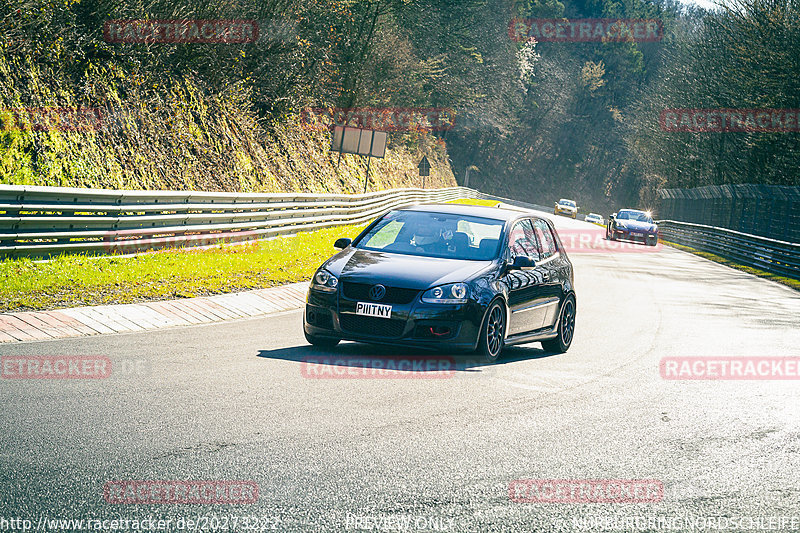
[566,328]
[493,333]
[322,342]
[609,233]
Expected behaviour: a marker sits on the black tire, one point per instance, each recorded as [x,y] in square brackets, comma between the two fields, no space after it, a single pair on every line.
[652,243]
[493,331]
[566,328]
[322,342]
[609,234]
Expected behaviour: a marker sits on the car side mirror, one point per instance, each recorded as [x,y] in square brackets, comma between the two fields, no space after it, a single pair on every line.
[612,216]
[522,261]
[342,243]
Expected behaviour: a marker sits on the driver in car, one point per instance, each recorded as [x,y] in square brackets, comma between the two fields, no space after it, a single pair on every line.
[431,239]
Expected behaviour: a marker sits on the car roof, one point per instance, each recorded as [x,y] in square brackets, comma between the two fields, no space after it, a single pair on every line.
[634,210]
[496,213]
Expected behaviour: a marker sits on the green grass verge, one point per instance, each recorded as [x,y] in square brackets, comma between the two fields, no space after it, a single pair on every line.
[793,283]
[475,201]
[77,280]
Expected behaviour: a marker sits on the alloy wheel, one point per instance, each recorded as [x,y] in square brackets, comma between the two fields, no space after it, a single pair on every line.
[568,322]
[494,331]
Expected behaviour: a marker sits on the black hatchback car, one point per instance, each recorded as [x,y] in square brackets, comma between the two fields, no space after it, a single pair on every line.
[449,277]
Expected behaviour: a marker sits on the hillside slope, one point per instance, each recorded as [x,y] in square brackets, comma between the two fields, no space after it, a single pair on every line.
[181,136]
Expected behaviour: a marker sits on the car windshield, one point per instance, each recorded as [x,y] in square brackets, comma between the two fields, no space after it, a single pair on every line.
[433,234]
[638,216]
[568,203]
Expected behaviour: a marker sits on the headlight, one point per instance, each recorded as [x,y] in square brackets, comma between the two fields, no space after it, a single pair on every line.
[325,281]
[454,293]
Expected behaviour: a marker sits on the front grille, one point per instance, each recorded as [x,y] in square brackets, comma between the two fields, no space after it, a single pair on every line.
[370,325]
[394,295]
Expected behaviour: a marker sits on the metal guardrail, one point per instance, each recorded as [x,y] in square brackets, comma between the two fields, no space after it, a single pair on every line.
[46,221]
[771,255]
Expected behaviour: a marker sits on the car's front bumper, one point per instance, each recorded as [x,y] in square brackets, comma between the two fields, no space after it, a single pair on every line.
[635,236]
[447,327]
[566,212]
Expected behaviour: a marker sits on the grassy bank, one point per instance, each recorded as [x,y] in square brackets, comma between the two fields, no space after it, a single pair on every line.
[178,134]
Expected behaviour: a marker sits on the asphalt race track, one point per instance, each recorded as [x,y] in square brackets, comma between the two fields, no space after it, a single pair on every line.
[234,401]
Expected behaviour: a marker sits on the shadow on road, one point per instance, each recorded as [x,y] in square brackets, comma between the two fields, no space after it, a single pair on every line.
[352,354]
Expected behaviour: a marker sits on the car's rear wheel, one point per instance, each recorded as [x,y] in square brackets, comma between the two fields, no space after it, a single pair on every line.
[566,328]
[493,333]
[322,342]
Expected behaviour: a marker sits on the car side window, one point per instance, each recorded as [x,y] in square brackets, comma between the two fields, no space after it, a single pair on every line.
[545,238]
[522,241]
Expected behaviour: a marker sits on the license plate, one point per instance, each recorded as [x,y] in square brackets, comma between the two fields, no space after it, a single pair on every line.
[379,310]
[637,234]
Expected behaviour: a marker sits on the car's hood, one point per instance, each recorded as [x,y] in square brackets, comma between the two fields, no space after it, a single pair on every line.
[401,270]
[635,225]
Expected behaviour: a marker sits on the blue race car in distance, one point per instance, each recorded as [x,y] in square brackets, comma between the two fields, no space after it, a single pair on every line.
[632,225]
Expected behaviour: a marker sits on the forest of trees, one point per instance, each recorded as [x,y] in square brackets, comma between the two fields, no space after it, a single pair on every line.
[536,121]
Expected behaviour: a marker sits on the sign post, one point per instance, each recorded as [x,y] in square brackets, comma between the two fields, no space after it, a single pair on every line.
[424,169]
[359,141]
